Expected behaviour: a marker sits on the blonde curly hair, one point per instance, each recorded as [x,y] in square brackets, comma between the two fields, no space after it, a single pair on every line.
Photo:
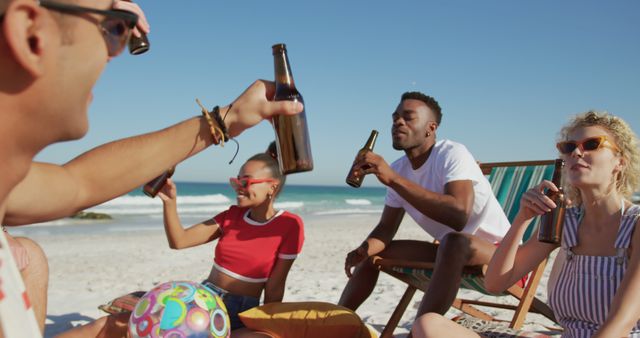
[628,179]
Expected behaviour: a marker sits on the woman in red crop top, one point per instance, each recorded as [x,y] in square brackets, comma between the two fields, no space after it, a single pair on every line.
[256,243]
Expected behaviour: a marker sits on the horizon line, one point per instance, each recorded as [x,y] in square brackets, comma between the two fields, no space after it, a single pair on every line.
[292,184]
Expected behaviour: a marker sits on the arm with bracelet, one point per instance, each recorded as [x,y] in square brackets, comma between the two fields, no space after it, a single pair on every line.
[51,191]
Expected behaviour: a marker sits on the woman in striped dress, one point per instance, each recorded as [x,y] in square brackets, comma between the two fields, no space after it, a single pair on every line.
[597,291]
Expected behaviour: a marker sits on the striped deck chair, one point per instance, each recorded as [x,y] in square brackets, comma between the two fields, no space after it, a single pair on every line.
[509,180]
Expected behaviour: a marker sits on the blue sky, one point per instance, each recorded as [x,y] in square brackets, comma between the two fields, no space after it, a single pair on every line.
[507,74]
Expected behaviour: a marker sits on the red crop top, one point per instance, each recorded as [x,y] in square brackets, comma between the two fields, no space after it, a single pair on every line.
[248,250]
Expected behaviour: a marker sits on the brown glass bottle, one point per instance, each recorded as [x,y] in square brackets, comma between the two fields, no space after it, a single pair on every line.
[551,223]
[292,135]
[138,44]
[356,181]
[152,188]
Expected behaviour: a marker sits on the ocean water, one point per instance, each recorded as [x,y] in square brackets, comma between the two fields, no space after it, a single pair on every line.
[200,201]
[204,200]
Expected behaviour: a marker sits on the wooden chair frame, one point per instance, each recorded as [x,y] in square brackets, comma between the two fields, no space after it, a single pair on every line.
[526,295]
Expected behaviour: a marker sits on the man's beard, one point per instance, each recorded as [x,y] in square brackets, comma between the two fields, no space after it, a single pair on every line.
[401,146]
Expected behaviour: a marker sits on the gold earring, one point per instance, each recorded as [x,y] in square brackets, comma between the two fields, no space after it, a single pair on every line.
[428,134]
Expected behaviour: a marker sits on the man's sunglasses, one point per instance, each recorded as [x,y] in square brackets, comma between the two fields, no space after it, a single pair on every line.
[116,26]
[246,182]
[587,144]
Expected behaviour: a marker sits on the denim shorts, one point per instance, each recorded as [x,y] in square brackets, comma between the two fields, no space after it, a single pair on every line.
[234,303]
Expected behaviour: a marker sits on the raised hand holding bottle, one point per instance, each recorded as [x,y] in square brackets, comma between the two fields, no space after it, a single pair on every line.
[551,223]
[152,188]
[352,179]
[292,135]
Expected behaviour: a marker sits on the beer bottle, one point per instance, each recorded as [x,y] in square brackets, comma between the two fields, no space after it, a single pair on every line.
[356,181]
[550,230]
[138,44]
[152,188]
[292,135]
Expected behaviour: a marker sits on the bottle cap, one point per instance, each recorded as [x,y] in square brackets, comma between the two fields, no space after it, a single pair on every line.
[278,47]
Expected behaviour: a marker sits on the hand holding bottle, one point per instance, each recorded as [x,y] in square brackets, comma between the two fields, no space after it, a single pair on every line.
[168,193]
[356,180]
[152,187]
[142,27]
[253,106]
[552,221]
[535,203]
[292,134]
[372,163]
[138,41]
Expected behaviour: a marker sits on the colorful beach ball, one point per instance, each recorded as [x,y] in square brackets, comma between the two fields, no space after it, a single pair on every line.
[178,310]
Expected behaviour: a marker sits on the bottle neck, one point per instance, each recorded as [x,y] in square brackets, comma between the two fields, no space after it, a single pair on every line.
[371,142]
[283,75]
[557,173]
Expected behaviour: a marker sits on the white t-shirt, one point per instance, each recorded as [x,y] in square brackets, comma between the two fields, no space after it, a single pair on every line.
[450,161]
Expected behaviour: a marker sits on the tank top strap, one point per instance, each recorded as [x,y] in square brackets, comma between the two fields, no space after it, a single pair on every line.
[621,255]
[627,224]
[572,218]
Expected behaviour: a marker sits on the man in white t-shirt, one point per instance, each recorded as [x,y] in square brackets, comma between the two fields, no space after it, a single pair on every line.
[440,185]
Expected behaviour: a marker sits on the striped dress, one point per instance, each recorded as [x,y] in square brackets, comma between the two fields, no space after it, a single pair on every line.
[587,284]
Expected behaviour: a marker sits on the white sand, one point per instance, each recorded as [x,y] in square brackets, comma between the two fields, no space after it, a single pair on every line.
[89,270]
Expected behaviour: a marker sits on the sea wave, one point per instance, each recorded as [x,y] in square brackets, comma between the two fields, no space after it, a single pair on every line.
[158,210]
[144,200]
[196,206]
[59,222]
[346,212]
[288,205]
[138,205]
[127,211]
[358,202]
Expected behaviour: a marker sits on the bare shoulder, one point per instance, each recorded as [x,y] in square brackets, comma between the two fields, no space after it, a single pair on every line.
[635,234]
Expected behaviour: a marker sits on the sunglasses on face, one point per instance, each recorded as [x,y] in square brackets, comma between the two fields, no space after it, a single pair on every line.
[587,144]
[116,26]
[246,182]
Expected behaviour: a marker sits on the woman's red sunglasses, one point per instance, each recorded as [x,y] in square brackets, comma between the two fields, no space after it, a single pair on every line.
[246,182]
[587,144]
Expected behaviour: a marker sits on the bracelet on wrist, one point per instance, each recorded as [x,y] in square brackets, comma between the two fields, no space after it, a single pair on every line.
[218,129]
[216,125]
[220,121]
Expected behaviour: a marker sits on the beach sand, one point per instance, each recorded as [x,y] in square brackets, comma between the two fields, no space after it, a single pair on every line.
[88,269]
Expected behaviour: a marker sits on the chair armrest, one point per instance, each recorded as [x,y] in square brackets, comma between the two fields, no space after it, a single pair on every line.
[390,263]
[405,263]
